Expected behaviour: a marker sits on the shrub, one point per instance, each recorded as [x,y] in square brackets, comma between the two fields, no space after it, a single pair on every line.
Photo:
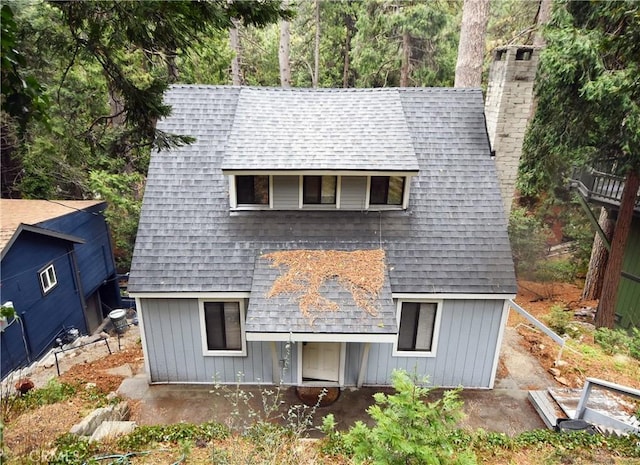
[618,341]
[528,237]
[559,320]
[408,429]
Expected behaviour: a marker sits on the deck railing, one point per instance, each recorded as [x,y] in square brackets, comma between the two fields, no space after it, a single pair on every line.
[600,186]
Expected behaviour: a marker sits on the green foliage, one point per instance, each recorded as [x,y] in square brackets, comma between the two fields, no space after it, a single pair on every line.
[618,341]
[560,320]
[590,70]
[52,393]
[145,436]
[553,270]
[528,237]
[73,450]
[432,29]
[408,428]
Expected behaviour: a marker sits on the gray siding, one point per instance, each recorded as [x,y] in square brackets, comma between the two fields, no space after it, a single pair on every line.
[286,192]
[467,343]
[174,347]
[353,192]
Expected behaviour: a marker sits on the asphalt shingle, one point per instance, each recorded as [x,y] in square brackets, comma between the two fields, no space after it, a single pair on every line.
[451,239]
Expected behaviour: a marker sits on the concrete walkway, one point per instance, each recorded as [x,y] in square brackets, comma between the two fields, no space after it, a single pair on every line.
[504,409]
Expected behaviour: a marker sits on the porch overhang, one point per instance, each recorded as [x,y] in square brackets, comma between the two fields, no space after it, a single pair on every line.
[322,337]
[279,316]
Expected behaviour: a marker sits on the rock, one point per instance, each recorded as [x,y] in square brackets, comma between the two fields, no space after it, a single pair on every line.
[112,429]
[562,380]
[91,422]
[560,363]
[554,371]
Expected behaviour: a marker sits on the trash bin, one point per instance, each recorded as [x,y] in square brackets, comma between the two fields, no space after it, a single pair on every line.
[119,319]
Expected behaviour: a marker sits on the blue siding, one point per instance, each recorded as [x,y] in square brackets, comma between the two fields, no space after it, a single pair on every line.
[467,344]
[174,346]
[45,316]
[95,256]
[466,349]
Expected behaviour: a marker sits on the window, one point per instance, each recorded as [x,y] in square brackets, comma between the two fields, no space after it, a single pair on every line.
[319,190]
[386,190]
[252,190]
[223,324]
[48,278]
[417,331]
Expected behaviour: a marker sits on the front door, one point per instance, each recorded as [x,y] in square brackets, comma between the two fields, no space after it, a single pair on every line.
[321,361]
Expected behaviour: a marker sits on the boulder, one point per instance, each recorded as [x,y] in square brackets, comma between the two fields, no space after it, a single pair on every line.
[92,421]
[112,429]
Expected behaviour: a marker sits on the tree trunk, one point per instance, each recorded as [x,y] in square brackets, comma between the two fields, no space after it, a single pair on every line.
[543,16]
[284,54]
[316,50]
[598,261]
[349,23]
[172,68]
[406,59]
[475,15]
[234,40]
[605,316]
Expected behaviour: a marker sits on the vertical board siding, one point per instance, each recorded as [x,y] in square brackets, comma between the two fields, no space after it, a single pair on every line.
[628,303]
[174,348]
[286,192]
[353,192]
[466,347]
[467,341]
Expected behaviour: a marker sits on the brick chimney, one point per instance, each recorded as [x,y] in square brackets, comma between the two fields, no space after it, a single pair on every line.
[508,107]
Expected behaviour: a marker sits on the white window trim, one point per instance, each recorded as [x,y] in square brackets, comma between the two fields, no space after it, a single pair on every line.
[46,283]
[203,331]
[233,195]
[436,329]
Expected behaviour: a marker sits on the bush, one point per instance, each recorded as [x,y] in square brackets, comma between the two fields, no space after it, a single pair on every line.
[408,429]
[560,321]
[618,341]
[528,237]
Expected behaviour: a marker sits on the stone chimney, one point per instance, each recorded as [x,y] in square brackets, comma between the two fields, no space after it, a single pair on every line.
[507,109]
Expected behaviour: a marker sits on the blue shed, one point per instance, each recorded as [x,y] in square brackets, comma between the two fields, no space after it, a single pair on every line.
[58,271]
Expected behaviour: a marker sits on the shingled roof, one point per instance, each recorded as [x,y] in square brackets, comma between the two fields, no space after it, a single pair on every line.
[451,239]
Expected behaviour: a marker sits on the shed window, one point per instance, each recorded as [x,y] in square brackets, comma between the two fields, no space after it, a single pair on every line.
[417,331]
[48,279]
[386,190]
[223,328]
[252,190]
[319,190]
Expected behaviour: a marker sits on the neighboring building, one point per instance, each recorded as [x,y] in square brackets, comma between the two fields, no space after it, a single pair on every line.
[602,187]
[338,233]
[508,107]
[57,269]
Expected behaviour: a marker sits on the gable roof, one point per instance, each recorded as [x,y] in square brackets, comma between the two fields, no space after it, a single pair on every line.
[451,239]
[14,212]
[276,129]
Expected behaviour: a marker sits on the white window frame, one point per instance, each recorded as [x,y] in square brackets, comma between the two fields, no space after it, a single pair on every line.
[203,330]
[233,195]
[436,329]
[387,206]
[48,278]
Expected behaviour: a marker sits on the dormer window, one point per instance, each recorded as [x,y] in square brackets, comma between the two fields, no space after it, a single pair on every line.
[386,190]
[319,190]
[252,190]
